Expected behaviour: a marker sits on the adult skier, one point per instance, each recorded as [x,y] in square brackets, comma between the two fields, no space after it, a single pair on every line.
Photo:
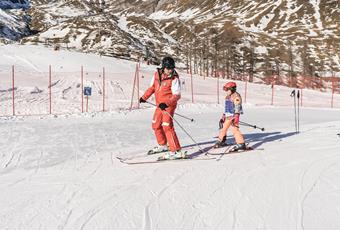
[231,117]
[165,84]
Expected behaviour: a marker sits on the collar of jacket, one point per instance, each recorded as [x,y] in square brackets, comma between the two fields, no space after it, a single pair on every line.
[231,95]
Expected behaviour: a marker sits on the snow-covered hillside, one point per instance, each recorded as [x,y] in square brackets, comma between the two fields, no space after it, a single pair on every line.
[301,36]
[14,4]
[14,22]
[61,172]
[32,80]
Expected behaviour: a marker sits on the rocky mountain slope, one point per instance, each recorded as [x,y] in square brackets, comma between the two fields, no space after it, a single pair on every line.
[14,21]
[260,37]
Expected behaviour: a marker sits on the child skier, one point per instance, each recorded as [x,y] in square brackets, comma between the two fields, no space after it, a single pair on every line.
[165,84]
[231,117]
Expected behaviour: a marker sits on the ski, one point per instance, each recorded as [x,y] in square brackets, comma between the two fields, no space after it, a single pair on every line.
[189,158]
[143,155]
[230,150]
[151,152]
[225,149]
[244,150]
[201,154]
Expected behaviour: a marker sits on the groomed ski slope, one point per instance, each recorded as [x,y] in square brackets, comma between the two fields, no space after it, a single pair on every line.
[60,172]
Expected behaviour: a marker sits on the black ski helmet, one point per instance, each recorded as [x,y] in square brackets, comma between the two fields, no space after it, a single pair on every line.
[168,62]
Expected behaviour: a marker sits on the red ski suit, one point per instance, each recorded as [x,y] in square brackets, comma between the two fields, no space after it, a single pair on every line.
[167,90]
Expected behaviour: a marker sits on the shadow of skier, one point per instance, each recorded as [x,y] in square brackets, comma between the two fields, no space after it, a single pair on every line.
[257,138]
[261,138]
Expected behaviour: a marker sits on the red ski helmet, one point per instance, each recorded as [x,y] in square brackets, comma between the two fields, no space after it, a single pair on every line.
[230,85]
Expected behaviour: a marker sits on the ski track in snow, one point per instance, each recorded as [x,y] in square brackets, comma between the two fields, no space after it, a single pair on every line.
[233,179]
[316,180]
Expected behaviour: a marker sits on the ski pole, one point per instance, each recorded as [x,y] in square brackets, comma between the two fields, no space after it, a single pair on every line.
[292,94]
[249,125]
[298,111]
[201,150]
[188,118]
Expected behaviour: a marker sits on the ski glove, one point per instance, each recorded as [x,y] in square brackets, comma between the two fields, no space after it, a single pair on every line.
[163,106]
[236,119]
[141,100]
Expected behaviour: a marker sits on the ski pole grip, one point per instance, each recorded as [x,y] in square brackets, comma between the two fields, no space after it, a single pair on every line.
[262,129]
[188,118]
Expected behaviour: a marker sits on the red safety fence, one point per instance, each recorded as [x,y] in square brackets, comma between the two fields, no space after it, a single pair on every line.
[272,90]
[54,92]
[39,93]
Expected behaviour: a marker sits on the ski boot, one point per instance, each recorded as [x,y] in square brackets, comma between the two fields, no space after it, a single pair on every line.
[179,154]
[158,149]
[220,144]
[239,147]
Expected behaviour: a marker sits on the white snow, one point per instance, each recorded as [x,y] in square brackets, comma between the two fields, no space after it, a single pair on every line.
[62,60]
[10,21]
[317,16]
[77,42]
[8,4]
[55,33]
[61,172]
[292,9]
[5,17]
[162,15]
[68,11]
[122,24]
[189,13]
[261,50]
[169,38]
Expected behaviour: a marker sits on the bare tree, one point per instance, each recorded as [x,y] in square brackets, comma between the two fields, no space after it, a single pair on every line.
[249,60]
[230,37]
[292,76]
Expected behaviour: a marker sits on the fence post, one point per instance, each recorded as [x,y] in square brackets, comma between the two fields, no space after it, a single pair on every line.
[192,90]
[218,87]
[82,88]
[87,103]
[103,89]
[133,87]
[138,67]
[13,95]
[332,91]
[204,74]
[50,88]
[246,89]
[272,103]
